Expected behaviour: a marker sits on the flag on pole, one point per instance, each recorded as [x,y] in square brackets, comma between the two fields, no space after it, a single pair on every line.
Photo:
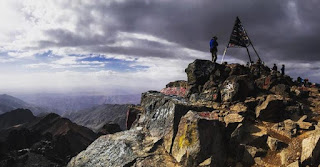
[239,36]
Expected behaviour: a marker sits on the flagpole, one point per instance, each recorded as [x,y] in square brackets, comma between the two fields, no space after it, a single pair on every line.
[224,53]
[252,45]
[254,49]
[249,55]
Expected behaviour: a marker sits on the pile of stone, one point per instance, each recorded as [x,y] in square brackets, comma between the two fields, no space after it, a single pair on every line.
[226,115]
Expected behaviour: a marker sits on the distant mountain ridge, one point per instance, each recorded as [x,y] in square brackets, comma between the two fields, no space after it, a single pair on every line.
[96,117]
[66,104]
[9,103]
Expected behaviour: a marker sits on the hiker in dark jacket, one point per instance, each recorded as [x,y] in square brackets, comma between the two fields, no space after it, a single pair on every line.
[213,48]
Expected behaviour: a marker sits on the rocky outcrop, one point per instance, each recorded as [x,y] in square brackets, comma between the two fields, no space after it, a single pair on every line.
[236,88]
[15,117]
[109,129]
[177,88]
[311,149]
[272,109]
[229,115]
[43,141]
[195,142]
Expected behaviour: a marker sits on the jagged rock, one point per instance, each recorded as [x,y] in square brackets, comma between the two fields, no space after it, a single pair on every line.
[133,114]
[300,92]
[197,140]
[310,154]
[209,94]
[281,89]
[266,82]
[259,70]
[287,128]
[275,144]
[162,115]
[305,125]
[294,164]
[237,69]
[236,88]
[250,153]
[206,162]
[178,88]
[252,103]
[109,128]
[271,109]
[239,107]
[284,157]
[179,83]
[233,118]
[249,134]
[199,71]
[119,149]
[51,140]
[157,160]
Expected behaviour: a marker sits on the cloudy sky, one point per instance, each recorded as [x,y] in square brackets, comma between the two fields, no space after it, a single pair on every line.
[130,46]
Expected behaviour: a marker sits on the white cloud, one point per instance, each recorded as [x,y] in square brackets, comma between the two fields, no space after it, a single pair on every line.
[33,27]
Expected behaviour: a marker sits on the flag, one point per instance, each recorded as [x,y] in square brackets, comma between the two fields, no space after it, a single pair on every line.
[239,37]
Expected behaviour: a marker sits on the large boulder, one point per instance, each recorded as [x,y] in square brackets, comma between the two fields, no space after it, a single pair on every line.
[119,149]
[286,129]
[198,139]
[159,158]
[236,88]
[267,82]
[310,154]
[237,69]
[275,144]
[133,114]
[177,88]
[281,89]
[272,109]
[162,115]
[199,71]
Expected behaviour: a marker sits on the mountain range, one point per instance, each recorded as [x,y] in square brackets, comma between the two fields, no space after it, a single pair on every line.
[40,141]
[9,103]
[67,104]
[96,117]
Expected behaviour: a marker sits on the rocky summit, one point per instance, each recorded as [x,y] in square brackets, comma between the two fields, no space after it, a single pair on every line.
[223,115]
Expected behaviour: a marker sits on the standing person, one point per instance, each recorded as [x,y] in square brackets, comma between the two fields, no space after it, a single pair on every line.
[213,48]
[282,69]
[275,68]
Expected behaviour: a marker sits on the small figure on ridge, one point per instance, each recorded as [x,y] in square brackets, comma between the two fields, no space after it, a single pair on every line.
[213,48]
[275,68]
[282,69]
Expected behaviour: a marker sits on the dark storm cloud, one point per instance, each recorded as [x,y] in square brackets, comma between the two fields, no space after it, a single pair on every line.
[280,30]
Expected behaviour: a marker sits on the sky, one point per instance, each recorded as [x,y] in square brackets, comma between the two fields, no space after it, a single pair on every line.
[131,46]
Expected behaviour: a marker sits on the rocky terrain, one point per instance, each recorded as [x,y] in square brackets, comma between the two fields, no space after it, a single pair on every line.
[96,117]
[15,117]
[224,115]
[41,141]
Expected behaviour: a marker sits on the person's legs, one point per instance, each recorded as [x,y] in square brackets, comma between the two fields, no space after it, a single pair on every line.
[212,56]
[215,57]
